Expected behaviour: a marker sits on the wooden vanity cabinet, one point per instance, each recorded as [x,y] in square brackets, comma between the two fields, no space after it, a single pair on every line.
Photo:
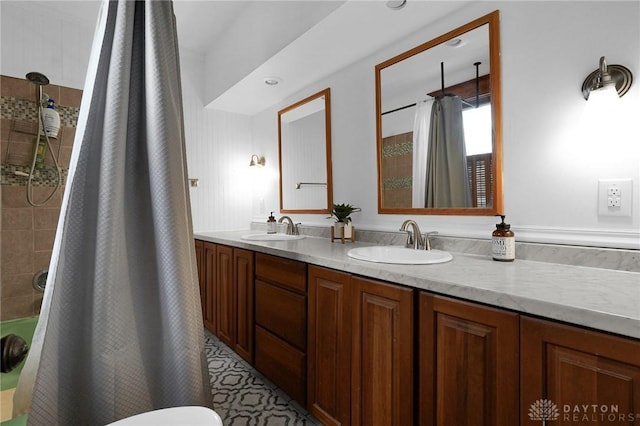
[226,279]
[205,259]
[346,349]
[243,267]
[468,363]
[591,377]
[225,295]
[329,348]
[281,323]
[202,271]
[360,350]
[234,301]
[201,268]
[382,386]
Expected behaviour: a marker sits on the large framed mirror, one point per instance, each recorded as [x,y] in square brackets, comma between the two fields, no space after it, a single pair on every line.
[439,125]
[304,152]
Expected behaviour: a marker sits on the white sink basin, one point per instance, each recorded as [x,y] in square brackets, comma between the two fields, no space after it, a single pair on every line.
[271,237]
[399,255]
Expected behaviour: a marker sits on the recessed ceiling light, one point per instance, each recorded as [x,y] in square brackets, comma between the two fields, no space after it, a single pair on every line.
[454,42]
[396,4]
[272,81]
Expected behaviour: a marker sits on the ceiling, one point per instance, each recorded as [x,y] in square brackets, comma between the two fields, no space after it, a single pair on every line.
[326,43]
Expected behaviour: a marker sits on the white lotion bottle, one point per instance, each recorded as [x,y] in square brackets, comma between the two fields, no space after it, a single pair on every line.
[51,119]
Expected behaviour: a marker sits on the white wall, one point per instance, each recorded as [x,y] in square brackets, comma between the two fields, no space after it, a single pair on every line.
[552,161]
[218,154]
[43,40]
[218,144]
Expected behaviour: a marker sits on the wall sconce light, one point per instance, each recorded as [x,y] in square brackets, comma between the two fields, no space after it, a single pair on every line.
[607,78]
[396,4]
[257,161]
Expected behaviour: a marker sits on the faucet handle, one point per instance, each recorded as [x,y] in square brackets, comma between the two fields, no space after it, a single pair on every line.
[427,239]
[296,230]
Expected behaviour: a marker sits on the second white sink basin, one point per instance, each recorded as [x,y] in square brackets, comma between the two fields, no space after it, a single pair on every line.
[271,237]
[399,255]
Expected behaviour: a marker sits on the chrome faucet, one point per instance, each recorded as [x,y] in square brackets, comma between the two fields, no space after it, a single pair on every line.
[292,229]
[414,239]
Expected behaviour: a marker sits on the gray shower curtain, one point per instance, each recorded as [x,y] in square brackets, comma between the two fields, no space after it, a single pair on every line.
[120,330]
[447,181]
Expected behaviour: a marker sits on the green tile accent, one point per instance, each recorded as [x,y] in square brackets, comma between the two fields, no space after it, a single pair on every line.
[397,183]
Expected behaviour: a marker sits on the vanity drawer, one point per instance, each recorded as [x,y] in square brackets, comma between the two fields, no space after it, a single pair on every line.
[288,273]
[282,312]
[281,363]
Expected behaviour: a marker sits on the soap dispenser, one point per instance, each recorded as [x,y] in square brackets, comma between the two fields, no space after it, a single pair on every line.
[503,242]
[272,226]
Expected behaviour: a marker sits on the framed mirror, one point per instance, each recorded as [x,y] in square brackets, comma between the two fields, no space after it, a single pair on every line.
[438,118]
[304,155]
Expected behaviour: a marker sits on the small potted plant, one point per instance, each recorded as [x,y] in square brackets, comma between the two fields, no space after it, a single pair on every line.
[343,227]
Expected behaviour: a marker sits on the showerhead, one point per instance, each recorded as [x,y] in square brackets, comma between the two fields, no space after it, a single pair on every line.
[37,78]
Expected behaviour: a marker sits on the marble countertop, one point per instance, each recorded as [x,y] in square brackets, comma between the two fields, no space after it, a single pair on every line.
[602,299]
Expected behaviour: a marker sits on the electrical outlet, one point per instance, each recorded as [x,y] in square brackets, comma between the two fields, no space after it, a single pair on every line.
[613,190]
[615,197]
[614,202]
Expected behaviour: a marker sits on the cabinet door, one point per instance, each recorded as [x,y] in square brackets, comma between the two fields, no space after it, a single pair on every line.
[244,281]
[468,362]
[382,358]
[210,288]
[577,376]
[226,295]
[329,346]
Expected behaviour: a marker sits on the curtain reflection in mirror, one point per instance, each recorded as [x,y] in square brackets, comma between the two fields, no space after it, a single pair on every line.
[421,126]
[405,156]
[473,75]
[447,181]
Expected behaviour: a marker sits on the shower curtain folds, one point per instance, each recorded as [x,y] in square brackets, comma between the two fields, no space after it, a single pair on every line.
[421,126]
[120,331]
[447,179]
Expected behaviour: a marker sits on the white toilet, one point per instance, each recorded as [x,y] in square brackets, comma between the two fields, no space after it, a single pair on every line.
[174,416]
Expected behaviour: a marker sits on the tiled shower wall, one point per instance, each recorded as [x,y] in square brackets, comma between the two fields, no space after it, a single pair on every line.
[397,163]
[27,232]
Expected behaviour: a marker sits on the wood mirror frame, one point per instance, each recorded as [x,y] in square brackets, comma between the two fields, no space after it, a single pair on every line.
[496,207]
[306,155]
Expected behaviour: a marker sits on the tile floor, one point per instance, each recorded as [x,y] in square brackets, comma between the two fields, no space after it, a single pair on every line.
[243,396]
